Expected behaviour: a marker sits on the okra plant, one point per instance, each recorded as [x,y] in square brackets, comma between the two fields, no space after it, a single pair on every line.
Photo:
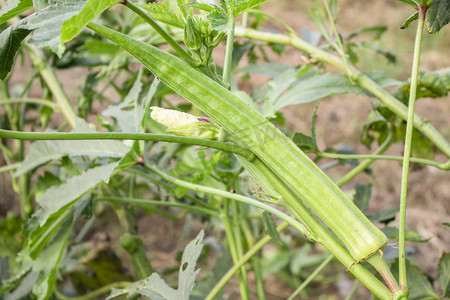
[241,173]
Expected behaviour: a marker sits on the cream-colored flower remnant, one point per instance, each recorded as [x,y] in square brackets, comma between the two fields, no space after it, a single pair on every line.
[171,118]
[184,124]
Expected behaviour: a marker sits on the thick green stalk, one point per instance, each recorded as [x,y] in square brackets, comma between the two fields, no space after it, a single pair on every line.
[424,126]
[311,277]
[53,84]
[407,152]
[126,136]
[143,14]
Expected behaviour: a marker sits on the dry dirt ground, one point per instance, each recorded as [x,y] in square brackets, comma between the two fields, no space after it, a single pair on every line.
[340,120]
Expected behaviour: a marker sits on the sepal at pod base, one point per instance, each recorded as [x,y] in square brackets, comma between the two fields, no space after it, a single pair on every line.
[184,124]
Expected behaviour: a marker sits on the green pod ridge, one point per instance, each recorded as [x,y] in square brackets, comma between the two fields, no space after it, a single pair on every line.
[279,153]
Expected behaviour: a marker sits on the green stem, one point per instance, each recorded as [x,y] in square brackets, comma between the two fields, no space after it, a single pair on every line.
[18,135]
[232,245]
[363,165]
[199,188]
[379,263]
[407,152]
[143,14]
[372,157]
[246,257]
[229,52]
[9,167]
[424,126]
[151,203]
[352,291]
[316,231]
[311,277]
[289,30]
[340,49]
[53,84]
[30,100]
[94,294]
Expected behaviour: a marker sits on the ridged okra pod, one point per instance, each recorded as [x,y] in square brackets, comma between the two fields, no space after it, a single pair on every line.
[279,153]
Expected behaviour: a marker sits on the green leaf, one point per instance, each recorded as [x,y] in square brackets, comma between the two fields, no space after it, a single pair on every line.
[14,8]
[161,12]
[155,288]
[271,228]
[438,15]
[305,142]
[420,287]
[241,6]
[219,20]
[47,23]
[129,120]
[411,236]
[314,88]
[71,190]
[430,84]
[446,224]
[47,263]
[376,127]
[41,152]
[377,30]
[362,196]
[410,19]
[444,274]
[90,11]
[385,216]
[10,41]
[270,69]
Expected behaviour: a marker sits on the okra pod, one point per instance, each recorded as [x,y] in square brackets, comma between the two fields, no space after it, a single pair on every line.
[279,153]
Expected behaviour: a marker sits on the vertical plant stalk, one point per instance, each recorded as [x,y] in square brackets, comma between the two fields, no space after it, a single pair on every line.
[234,249]
[407,151]
[53,84]
[229,51]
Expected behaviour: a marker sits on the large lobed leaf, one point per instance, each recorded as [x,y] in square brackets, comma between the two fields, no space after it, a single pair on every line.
[47,23]
[75,24]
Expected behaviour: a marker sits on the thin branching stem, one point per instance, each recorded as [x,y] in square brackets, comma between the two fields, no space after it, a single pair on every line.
[311,276]
[442,166]
[407,151]
[340,48]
